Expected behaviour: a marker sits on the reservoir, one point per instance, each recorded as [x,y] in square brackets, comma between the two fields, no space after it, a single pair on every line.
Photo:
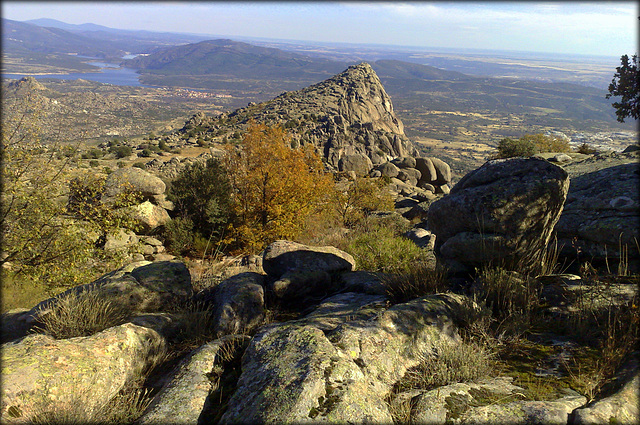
[109,74]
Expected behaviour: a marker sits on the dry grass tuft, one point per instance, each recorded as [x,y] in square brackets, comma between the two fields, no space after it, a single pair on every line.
[81,314]
[416,282]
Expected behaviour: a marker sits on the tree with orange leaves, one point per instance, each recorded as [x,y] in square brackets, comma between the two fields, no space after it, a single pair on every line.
[275,187]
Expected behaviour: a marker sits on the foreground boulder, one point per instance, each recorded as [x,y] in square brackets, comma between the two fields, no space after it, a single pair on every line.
[283,256]
[503,213]
[340,362]
[85,372]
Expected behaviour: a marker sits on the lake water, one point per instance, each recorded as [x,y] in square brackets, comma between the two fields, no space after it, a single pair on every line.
[109,73]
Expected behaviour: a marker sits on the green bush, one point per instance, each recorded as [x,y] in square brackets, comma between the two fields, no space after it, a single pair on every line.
[510,148]
[93,153]
[146,153]
[179,235]
[94,163]
[529,145]
[381,250]
[201,193]
[121,151]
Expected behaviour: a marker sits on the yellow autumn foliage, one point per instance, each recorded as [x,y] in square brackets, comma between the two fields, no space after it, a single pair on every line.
[274,187]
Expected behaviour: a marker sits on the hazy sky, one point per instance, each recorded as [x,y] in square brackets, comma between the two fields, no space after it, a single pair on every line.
[599,28]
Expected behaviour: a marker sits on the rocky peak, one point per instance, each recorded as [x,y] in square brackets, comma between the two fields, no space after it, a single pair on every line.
[357,95]
[349,114]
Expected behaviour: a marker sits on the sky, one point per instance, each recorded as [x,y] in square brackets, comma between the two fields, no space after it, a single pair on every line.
[605,28]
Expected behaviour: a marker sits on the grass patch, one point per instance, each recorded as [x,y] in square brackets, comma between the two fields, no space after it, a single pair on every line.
[449,364]
[415,282]
[20,293]
[81,314]
[384,251]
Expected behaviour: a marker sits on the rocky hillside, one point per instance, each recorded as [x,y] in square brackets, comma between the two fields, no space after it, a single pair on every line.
[348,114]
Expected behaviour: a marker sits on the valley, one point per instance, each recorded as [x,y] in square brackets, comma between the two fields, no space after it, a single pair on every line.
[454,104]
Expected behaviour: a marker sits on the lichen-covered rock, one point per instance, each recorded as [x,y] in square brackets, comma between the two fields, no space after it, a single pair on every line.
[601,216]
[142,287]
[448,402]
[340,362]
[553,412]
[39,370]
[123,238]
[501,213]
[183,398]
[239,304]
[133,178]
[282,256]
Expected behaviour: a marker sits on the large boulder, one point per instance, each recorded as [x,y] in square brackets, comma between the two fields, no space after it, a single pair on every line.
[427,171]
[443,172]
[39,372]
[282,256]
[358,163]
[149,216]
[339,363]
[601,217]
[133,178]
[502,213]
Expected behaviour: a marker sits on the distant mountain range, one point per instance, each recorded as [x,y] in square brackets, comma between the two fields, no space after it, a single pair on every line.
[260,73]
[55,37]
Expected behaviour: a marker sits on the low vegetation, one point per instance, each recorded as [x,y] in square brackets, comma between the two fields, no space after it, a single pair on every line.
[529,145]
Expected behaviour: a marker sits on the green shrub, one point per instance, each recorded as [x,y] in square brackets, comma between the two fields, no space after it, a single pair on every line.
[121,164]
[94,163]
[121,151]
[201,193]
[146,153]
[93,153]
[529,145]
[163,145]
[510,148]
[179,235]
[381,250]
[140,165]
